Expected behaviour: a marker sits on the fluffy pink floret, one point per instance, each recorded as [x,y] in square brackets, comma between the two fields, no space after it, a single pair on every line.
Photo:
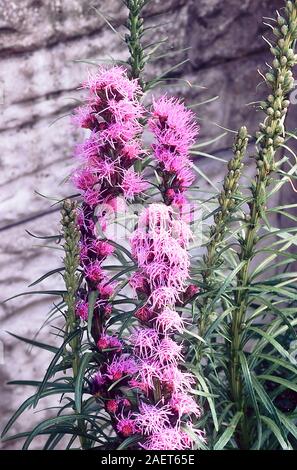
[125,110]
[114,83]
[171,114]
[121,366]
[102,248]
[132,184]
[84,179]
[168,351]
[169,320]
[168,439]
[176,380]
[81,309]
[94,272]
[184,404]
[145,342]
[126,427]
[152,418]
[149,372]
[163,297]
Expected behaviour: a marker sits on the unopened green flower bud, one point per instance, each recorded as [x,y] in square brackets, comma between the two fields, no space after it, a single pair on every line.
[269,77]
[281,20]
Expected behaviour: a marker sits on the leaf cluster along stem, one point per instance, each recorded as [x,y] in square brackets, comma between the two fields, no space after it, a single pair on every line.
[270,137]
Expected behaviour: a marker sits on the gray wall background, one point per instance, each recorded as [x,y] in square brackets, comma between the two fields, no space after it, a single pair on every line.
[39,42]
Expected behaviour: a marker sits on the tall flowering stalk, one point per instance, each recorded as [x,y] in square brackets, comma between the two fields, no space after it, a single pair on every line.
[227,206]
[166,407]
[112,113]
[270,138]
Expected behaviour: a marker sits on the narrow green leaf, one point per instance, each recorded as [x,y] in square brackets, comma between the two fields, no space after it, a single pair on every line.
[277,432]
[228,433]
[47,347]
[84,362]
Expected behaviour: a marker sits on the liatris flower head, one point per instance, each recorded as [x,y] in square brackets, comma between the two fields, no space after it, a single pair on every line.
[169,320]
[130,152]
[163,297]
[139,283]
[132,184]
[184,404]
[168,351]
[84,179]
[126,426]
[109,342]
[92,197]
[145,341]
[170,438]
[84,117]
[170,114]
[149,373]
[82,309]
[120,367]
[152,418]
[102,248]
[175,380]
[94,272]
[113,83]
[112,406]
[106,289]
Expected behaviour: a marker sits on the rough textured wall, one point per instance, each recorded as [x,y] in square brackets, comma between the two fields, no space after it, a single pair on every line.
[39,43]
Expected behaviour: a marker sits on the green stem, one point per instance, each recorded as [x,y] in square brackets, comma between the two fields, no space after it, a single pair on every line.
[133,39]
[270,138]
[71,279]
[227,206]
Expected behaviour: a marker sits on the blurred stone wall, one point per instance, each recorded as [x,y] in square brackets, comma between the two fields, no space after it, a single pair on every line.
[40,44]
